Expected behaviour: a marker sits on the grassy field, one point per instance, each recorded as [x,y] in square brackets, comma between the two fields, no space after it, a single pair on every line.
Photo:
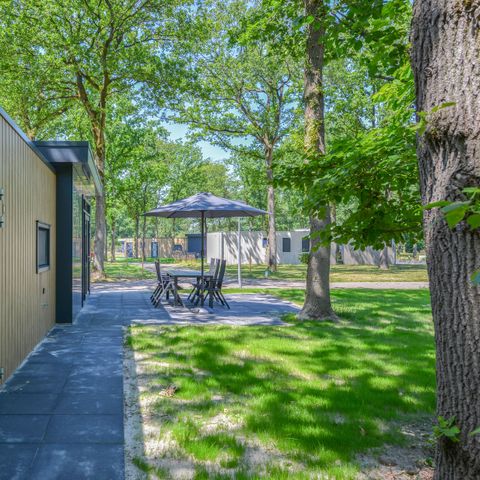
[290,402]
[341,273]
[122,270]
[131,269]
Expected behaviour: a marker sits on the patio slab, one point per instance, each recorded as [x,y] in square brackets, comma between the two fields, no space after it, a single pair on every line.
[79,462]
[245,309]
[16,460]
[61,413]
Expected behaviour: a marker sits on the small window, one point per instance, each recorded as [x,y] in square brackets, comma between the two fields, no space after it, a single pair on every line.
[305,244]
[43,247]
[264,242]
[287,245]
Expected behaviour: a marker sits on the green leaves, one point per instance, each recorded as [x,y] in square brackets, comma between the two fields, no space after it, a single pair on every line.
[475,432]
[424,117]
[476,277]
[447,428]
[456,212]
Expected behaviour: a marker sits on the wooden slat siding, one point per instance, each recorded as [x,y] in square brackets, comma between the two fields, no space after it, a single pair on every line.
[26,314]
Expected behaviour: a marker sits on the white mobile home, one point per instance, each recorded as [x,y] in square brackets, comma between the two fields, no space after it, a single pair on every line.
[290,246]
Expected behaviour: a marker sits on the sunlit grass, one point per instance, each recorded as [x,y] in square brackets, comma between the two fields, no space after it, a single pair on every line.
[338,273]
[131,269]
[309,396]
[118,271]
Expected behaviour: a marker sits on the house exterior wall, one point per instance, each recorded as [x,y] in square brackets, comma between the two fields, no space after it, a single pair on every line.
[225,245]
[27,298]
[165,245]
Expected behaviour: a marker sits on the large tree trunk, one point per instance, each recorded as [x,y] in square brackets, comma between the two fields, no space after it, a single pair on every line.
[317,304]
[100,204]
[272,231]
[112,246]
[445,60]
[144,235]
[383,263]
[137,234]
[100,233]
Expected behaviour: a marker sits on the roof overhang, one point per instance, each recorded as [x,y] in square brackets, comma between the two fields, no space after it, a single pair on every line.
[59,153]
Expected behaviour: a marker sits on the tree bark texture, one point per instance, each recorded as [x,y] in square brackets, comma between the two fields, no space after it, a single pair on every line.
[446,64]
[144,235]
[100,204]
[137,234]
[272,231]
[112,246]
[100,233]
[383,264]
[317,304]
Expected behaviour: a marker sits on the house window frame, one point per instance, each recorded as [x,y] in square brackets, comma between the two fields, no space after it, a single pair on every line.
[289,244]
[45,227]
[304,241]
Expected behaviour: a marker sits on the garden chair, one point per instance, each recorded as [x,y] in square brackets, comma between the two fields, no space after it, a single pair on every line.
[207,282]
[165,286]
[196,285]
[217,281]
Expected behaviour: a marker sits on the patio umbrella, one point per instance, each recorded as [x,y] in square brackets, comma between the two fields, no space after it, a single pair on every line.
[203,206]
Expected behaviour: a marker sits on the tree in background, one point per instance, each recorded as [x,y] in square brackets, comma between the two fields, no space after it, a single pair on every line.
[142,176]
[317,303]
[241,93]
[91,51]
[369,34]
[27,93]
[445,61]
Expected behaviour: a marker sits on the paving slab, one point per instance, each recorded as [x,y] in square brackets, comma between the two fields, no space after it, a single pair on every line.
[27,403]
[89,403]
[61,413]
[23,428]
[85,429]
[78,462]
[16,461]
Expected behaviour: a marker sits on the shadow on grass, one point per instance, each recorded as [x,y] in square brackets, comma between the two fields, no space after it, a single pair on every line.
[319,393]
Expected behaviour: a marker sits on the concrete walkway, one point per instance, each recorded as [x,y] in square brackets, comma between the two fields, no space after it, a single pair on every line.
[245,309]
[61,413]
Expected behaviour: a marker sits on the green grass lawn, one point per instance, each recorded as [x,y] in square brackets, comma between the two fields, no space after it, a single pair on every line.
[288,402]
[122,270]
[131,269]
[340,273]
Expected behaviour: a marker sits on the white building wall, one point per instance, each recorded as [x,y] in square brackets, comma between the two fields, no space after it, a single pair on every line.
[224,245]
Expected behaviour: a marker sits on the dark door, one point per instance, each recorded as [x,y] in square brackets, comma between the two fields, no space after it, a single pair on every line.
[85,250]
[194,243]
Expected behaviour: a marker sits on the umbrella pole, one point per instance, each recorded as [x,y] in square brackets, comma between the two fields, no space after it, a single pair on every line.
[202,255]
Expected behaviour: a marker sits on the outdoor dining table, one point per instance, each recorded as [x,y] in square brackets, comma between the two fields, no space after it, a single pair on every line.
[176,274]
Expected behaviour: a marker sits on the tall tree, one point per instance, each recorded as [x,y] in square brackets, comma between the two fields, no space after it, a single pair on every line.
[317,298]
[445,61]
[255,104]
[326,31]
[96,49]
[142,177]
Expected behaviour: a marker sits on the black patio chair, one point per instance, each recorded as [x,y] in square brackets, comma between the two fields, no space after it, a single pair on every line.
[205,287]
[197,284]
[165,286]
[215,289]
[159,285]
